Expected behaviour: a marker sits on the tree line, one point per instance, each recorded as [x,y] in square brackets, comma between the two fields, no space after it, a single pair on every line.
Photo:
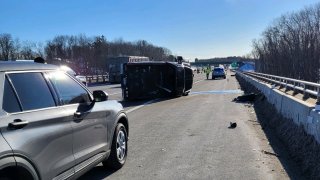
[290,46]
[11,49]
[80,52]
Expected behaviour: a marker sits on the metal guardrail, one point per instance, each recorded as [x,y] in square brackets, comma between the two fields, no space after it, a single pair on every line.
[97,79]
[307,88]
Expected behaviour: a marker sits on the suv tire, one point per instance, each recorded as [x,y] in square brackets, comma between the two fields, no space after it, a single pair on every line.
[119,148]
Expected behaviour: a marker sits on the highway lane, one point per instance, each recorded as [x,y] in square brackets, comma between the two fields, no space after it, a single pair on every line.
[188,138]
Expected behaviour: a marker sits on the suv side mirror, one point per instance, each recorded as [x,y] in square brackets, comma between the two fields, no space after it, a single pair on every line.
[100,96]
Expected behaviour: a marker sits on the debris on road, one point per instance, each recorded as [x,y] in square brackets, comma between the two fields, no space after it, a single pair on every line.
[246,98]
[269,153]
[262,97]
[232,125]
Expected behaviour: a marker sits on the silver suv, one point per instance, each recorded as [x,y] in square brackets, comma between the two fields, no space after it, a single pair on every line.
[53,127]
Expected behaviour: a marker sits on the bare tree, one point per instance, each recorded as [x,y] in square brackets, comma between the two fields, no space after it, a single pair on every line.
[290,46]
[27,50]
[86,55]
[6,46]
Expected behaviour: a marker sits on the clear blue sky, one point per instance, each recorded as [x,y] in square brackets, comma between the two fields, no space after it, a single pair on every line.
[191,28]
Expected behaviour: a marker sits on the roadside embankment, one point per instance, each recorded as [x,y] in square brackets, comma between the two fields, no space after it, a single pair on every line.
[293,121]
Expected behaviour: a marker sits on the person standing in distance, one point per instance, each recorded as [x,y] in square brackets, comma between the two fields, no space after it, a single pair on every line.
[208,70]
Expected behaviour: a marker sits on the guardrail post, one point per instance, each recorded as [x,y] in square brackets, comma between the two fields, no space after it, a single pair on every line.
[90,79]
[286,85]
[294,88]
[317,108]
[305,95]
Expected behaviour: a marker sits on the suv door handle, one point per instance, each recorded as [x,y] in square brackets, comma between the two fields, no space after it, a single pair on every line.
[18,124]
[79,115]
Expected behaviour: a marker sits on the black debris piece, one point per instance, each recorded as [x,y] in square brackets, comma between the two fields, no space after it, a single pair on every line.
[262,97]
[232,125]
[269,153]
[246,98]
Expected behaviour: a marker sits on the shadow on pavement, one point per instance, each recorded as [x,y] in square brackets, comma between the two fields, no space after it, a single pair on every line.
[97,173]
[264,117]
[266,114]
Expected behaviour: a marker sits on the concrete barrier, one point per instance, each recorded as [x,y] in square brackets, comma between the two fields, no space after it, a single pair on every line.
[300,112]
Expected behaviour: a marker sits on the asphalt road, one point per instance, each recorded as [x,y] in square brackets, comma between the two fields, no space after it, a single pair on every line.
[188,137]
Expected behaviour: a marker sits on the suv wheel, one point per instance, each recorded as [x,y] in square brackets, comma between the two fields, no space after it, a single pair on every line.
[119,148]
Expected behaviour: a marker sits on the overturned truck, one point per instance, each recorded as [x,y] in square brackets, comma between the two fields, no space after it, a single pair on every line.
[141,80]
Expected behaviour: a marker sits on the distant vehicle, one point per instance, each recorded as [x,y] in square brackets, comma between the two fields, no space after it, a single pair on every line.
[218,72]
[80,78]
[53,127]
[155,79]
[114,65]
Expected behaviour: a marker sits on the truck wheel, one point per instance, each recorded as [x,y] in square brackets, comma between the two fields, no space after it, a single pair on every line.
[119,148]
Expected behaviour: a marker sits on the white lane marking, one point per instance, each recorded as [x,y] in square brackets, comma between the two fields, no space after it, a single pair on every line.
[138,107]
[115,93]
[198,81]
[237,91]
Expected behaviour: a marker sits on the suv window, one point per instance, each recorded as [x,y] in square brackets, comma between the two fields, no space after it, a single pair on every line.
[32,90]
[70,92]
[10,102]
